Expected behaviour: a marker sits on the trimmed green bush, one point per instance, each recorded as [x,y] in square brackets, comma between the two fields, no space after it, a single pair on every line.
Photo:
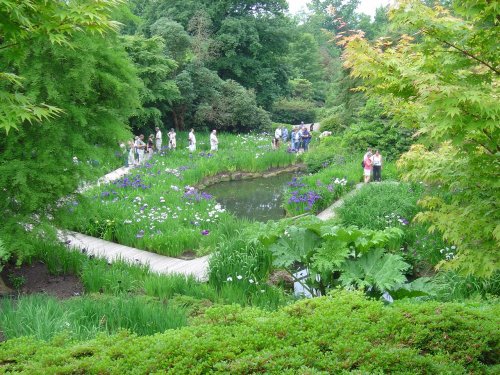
[293,111]
[341,333]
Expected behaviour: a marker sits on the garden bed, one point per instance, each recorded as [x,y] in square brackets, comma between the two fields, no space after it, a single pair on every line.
[35,278]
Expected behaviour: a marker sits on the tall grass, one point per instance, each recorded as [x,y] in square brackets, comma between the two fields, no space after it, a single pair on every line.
[43,317]
[117,278]
[373,206]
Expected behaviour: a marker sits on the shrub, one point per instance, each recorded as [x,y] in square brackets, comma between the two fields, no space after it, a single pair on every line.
[293,111]
[341,333]
[332,124]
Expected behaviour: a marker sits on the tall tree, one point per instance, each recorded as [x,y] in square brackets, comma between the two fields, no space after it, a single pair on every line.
[446,86]
[158,91]
[24,22]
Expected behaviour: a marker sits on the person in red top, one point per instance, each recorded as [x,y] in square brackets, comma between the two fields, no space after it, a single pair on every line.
[367,166]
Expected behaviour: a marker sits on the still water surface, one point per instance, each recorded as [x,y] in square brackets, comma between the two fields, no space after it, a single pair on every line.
[258,199]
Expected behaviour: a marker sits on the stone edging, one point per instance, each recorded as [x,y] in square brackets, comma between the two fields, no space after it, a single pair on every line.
[239,175]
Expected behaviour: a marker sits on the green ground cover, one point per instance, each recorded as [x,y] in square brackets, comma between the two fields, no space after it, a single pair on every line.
[342,333]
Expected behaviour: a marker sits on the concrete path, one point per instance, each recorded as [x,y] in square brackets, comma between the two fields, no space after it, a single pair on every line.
[330,211]
[110,177]
[112,251]
[157,263]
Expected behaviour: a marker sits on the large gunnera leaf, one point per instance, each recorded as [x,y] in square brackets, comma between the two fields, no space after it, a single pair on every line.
[374,269]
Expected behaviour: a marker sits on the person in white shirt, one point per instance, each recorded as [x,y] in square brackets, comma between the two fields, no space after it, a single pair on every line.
[158,139]
[172,141]
[277,137]
[377,166]
[192,141]
[140,146]
[214,142]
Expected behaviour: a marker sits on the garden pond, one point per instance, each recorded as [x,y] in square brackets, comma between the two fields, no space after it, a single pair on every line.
[258,199]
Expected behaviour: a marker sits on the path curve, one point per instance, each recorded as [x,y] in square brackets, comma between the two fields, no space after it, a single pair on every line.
[329,213]
[157,263]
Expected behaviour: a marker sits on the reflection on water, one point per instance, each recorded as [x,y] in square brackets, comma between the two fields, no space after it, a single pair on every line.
[258,199]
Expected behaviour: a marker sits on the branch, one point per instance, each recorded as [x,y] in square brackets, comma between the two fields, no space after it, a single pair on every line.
[491,67]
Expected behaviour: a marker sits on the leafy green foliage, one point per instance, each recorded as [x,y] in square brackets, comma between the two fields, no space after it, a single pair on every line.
[97,90]
[293,111]
[51,21]
[426,338]
[341,255]
[295,246]
[158,90]
[374,269]
[445,84]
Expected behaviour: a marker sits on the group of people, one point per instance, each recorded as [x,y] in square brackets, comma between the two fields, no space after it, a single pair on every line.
[299,137]
[372,166]
[139,150]
[214,141]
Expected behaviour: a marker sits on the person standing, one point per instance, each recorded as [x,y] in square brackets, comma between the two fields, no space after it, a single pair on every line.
[158,139]
[295,139]
[140,146]
[150,146]
[277,137]
[367,166]
[284,134]
[192,141]
[377,166]
[172,139]
[131,153]
[214,142]
[306,138]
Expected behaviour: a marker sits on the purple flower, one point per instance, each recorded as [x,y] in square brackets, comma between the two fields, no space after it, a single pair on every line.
[140,234]
[205,232]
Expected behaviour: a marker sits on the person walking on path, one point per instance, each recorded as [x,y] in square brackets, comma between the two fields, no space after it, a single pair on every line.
[192,141]
[172,140]
[131,153]
[140,146]
[214,142]
[277,137]
[367,166]
[377,166]
[306,138]
[158,139]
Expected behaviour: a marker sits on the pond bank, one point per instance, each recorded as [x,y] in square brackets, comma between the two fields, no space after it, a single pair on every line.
[241,175]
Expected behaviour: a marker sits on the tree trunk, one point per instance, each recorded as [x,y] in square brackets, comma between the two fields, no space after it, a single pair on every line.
[4,289]
[176,121]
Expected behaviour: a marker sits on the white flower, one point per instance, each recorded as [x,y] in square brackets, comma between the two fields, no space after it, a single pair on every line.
[229,278]
[250,281]
[239,277]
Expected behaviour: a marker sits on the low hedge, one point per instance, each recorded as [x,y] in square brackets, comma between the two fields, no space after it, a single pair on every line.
[344,332]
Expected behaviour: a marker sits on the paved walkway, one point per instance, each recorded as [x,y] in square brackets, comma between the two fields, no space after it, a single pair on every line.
[110,177]
[157,263]
[330,211]
[112,251]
